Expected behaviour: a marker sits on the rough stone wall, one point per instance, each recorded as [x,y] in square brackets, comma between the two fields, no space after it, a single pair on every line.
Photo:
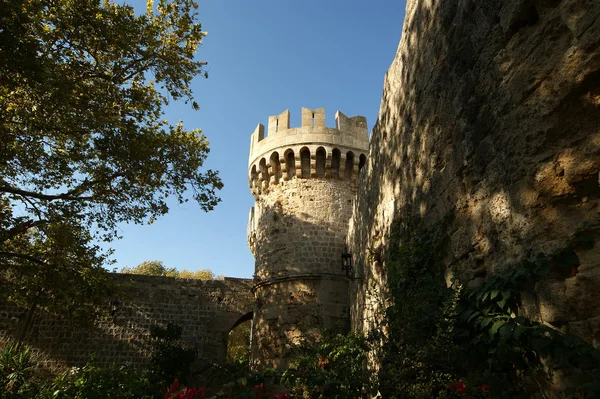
[490,109]
[290,310]
[207,311]
[299,226]
[304,182]
[297,235]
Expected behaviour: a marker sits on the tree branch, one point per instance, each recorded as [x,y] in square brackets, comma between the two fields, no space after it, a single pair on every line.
[71,195]
[47,197]
[22,256]
[22,228]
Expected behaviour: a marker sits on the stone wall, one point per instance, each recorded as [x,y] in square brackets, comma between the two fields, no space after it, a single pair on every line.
[491,110]
[299,226]
[207,311]
[297,235]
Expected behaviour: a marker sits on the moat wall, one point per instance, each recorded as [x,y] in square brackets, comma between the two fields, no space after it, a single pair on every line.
[490,110]
[206,310]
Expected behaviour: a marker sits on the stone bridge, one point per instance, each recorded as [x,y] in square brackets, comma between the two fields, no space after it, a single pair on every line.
[207,311]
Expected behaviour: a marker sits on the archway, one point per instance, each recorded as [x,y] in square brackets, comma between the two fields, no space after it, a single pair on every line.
[239,338]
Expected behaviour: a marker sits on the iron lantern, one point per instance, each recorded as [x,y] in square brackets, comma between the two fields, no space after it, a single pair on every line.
[347,262]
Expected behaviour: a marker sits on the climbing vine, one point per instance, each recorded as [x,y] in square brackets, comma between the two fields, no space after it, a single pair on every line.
[445,341]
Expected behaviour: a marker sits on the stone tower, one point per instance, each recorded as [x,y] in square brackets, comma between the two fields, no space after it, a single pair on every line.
[304,182]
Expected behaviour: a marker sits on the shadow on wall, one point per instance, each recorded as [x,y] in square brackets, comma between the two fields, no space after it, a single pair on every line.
[301,288]
[490,110]
[207,311]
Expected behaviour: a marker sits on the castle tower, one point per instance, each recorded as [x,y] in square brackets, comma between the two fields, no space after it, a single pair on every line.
[304,182]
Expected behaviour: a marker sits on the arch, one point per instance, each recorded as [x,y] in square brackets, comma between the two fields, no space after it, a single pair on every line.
[246,317]
[275,167]
[290,163]
[239,337]
[254,175]
[349,165]
[305,162]
[362,160]
[336,155]
[321,157]
[264,171]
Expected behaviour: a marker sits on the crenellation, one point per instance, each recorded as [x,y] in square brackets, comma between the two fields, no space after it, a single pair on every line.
[352,135]
[279,123]
[307,152]
[313,117]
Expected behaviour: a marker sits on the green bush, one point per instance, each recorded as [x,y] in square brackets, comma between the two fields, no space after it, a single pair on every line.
[332,368]
[92,382]
[170,359]
[16,372]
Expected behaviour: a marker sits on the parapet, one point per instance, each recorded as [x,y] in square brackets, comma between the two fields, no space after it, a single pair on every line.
[349,132]
[310,151]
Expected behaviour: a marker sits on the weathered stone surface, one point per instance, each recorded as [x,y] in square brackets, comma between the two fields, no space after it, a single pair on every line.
[491,110]
[304,183]
[206,310]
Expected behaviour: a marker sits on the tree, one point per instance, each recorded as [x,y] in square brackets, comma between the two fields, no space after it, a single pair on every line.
[157,268]
[83,143]
[151,268]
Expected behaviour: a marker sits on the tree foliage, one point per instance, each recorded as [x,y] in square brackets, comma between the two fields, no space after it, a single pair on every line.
[83,142]
[151,268]
[157,268]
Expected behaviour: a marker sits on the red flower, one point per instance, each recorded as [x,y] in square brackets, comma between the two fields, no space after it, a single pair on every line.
[281,395]
[485,388]
[187,393]
[323,362]
[459,386]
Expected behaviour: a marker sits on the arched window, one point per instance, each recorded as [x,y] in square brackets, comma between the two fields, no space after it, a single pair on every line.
[335,163]
[264,171]
[349,165]
[290,163]
[321,155]
[254,176]
[362,160]
[305,162]
[275,166]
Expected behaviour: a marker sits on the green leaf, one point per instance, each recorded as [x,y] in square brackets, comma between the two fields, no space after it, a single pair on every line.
[464,316]
[506,330]
[495,327]
[485,321]
[473,315]
[518,331]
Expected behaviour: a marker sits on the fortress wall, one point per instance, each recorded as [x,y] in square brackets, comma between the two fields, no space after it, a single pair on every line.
[490,109]
[207,310]
[293,309]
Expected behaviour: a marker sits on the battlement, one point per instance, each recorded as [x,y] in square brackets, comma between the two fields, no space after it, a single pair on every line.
[349,132]
[310,151]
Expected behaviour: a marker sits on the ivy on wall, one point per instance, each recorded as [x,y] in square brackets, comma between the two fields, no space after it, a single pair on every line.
[444,341]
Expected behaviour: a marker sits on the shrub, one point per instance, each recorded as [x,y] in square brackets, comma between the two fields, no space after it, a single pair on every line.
[170,359]
[92,382]
[16,371]
[332,368]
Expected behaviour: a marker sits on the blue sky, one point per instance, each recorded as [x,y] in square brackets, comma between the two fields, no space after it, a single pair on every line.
[264,57]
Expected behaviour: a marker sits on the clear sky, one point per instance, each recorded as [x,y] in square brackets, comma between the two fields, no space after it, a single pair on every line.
[264,56]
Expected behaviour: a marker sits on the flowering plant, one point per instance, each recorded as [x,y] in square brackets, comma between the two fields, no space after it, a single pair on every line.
[177,392]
